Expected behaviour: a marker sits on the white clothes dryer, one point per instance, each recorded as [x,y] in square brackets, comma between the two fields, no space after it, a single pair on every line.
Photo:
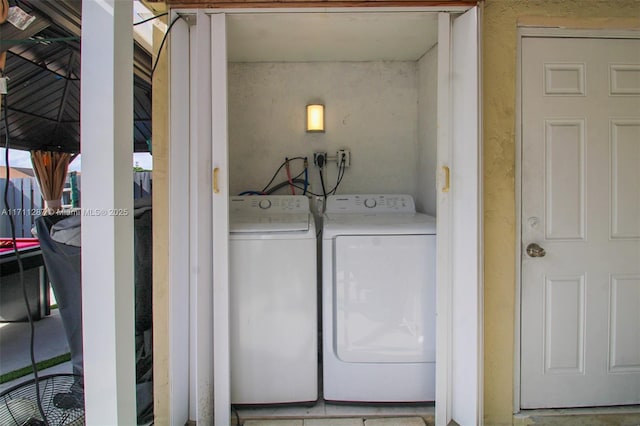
[273,300]
[378,296]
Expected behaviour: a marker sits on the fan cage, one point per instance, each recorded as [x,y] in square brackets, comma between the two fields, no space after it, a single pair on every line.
[19,405]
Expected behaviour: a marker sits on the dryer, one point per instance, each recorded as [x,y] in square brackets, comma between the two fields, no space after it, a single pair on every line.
[378,295]
[273,300]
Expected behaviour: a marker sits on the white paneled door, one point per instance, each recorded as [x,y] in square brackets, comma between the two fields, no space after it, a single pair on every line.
[580,222]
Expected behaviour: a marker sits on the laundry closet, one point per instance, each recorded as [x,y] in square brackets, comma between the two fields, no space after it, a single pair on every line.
[372,73]
[396,97]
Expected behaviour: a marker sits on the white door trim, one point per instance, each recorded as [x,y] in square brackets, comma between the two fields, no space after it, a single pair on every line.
[541,32]
[529,31]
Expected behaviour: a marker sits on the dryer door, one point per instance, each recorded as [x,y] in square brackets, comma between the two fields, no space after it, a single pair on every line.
[384,287]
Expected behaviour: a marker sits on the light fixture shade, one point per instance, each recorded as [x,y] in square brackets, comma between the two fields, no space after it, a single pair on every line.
[315,118]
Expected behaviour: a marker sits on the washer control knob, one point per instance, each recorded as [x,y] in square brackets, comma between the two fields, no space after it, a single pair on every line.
[264,204]
[370,203]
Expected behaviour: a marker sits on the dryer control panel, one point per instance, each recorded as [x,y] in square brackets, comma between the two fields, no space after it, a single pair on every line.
[370,203]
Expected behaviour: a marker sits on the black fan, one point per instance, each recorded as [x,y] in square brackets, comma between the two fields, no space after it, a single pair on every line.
[19,406]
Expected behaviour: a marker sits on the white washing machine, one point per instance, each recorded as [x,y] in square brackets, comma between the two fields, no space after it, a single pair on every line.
[273,297]
[378,296]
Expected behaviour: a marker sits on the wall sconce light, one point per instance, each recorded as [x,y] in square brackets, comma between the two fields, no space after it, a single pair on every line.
[315,118]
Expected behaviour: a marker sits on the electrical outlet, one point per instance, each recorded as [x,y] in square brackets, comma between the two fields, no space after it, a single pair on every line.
[319,159]
[343,155]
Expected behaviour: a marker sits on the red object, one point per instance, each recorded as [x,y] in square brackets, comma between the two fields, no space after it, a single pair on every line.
[6,244]
[286,167]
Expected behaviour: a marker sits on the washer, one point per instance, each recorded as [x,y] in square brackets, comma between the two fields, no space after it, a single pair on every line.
[378,296]
[273,298]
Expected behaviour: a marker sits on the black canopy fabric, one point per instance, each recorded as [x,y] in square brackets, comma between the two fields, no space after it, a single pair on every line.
[63,264]
[64,270]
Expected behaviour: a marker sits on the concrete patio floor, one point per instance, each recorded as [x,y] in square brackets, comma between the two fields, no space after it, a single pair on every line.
[49,342]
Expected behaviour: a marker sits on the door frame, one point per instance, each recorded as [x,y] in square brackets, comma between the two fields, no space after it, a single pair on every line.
[537,32]
[200,400]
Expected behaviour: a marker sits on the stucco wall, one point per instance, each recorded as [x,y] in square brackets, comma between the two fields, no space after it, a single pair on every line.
[499,44]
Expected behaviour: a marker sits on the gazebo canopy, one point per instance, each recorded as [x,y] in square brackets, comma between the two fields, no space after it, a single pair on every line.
[43,70]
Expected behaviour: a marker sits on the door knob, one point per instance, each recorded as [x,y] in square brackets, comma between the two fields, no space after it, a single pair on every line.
[534,250]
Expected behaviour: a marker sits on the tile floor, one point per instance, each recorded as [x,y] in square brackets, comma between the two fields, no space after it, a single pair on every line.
[328,414]
[395,421]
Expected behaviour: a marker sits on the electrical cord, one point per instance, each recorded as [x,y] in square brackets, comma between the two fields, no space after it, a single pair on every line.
[278,171]
[324,190]
[151,18]
[7,145]
[274,188]
[268,189]
[292,182]
[341,170]
[164,38]
[298,175]
[321,160]
[306,176]
[308,192]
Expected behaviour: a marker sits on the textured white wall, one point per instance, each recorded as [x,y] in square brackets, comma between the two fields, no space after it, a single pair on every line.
[371,109]
[427,131]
